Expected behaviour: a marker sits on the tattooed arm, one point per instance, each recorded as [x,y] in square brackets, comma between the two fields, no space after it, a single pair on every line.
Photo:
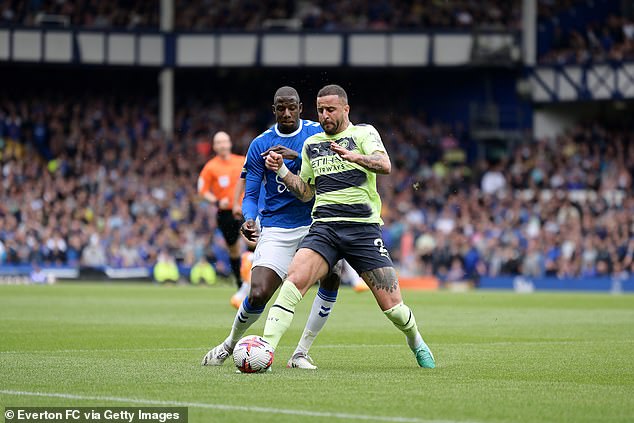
[377,162]
[305,192]
[302,190]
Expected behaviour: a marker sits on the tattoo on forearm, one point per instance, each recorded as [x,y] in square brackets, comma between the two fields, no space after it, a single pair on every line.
[305,192]
[381,279]
[378,163]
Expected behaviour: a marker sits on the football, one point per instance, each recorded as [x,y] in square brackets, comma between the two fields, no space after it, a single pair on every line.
[253,354]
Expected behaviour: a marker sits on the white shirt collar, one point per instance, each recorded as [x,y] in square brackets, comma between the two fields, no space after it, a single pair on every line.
[292,134]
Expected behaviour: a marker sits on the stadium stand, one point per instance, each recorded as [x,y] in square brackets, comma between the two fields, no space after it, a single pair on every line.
[89,179]
[113,190]
[128,14]
[385,15]
[116,191]
[205,15]
[557,207]
[584,32]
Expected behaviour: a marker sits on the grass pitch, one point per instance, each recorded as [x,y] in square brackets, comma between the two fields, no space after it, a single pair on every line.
[501,357]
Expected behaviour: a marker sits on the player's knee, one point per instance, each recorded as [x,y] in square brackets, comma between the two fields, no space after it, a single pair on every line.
[300,280]
[259,296]
[337,268]
[331,282]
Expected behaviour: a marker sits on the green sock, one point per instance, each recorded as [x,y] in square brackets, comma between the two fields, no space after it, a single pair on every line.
[281,313]
[404,320]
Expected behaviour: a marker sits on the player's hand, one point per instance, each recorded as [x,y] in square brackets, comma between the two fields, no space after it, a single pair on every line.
[250,230]
[274,161]
[287,153]
[237,212]
[344,153]
[223,204]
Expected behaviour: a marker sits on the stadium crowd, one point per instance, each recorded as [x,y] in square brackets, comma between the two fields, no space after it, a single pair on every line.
[558,207]
[113,191]
[121,14]
[612,39]
[581,32]
[349,15]
[206,15]
[97,183]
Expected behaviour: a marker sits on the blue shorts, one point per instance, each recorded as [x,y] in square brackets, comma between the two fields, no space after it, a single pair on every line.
[360,244]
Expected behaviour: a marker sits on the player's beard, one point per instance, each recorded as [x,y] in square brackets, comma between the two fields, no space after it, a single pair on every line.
[334,129]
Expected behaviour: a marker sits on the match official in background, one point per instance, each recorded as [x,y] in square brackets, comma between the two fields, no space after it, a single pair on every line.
[216,184]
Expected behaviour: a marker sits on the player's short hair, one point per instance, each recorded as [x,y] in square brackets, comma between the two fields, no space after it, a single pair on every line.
[334,89]
[286,91]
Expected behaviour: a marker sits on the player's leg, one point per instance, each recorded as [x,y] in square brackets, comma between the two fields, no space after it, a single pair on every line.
[307,267]
[264,282]
[230,228]
[351,277]
[321,309]
[384,285]
[233,243]
[366,253]
[271,260]
[246,264]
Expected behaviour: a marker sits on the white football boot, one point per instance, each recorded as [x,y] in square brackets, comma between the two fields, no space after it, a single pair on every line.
[217,356]
[301,360]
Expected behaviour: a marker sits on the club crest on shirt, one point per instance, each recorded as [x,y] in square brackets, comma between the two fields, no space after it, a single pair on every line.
[347,143]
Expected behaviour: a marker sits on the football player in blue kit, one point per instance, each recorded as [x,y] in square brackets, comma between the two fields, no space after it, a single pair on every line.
[284,222]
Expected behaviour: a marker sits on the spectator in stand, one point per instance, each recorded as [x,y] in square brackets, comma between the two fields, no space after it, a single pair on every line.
[205,15]
[493,181]
[94,255]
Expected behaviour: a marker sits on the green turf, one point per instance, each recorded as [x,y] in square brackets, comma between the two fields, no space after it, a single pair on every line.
[501,357]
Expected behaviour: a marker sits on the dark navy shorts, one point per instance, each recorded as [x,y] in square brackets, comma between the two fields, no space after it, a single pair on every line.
[360,244]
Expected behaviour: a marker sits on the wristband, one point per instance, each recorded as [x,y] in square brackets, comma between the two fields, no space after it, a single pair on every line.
[282,171]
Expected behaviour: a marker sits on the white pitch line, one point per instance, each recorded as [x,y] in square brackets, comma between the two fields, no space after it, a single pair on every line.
[227,407]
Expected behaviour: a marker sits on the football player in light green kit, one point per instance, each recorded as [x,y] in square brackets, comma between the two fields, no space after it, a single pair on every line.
[339,168]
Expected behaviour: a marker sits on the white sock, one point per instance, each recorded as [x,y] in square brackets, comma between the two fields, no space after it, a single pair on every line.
[322,306]
[245,317]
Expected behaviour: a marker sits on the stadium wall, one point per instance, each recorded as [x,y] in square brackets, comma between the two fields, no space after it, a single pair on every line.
[247,49]
[522,284]
[551,120]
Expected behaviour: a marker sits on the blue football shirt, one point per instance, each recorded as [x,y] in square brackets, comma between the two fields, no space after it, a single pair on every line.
[280,209]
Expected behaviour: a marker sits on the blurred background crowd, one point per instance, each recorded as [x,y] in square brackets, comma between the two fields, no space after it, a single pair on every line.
[557,206]
[96,183]
[89,178]
[584,32]
[196,15]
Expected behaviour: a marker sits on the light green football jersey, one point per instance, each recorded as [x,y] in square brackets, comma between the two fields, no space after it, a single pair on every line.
[344,191]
